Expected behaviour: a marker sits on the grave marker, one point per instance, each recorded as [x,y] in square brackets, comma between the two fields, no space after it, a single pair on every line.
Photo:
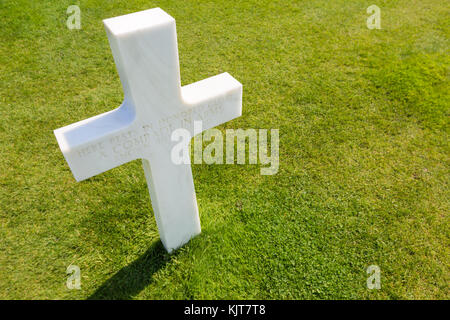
[144,46]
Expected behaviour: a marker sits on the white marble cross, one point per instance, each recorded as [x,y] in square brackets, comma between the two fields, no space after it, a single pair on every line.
[145,50]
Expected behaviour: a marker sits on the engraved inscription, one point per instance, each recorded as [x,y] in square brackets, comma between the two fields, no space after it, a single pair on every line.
[128,143]
[93,148]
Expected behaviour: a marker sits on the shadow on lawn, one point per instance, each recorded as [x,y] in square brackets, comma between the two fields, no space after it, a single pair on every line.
[133,278]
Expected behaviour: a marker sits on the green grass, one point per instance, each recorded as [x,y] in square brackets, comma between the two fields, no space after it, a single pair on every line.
[364,155]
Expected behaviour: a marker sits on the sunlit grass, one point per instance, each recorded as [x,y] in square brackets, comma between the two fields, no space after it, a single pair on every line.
[364,167]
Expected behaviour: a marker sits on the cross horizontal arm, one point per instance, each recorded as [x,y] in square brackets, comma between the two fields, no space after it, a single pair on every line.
[214,100]
[86,144]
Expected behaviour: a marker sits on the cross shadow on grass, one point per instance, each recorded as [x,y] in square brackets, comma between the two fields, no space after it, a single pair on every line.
[132,279]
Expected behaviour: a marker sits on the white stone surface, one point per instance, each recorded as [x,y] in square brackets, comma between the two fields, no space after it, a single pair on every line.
[144,46]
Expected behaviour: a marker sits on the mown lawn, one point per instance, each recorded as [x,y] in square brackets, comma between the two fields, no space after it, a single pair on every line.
[364,155]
